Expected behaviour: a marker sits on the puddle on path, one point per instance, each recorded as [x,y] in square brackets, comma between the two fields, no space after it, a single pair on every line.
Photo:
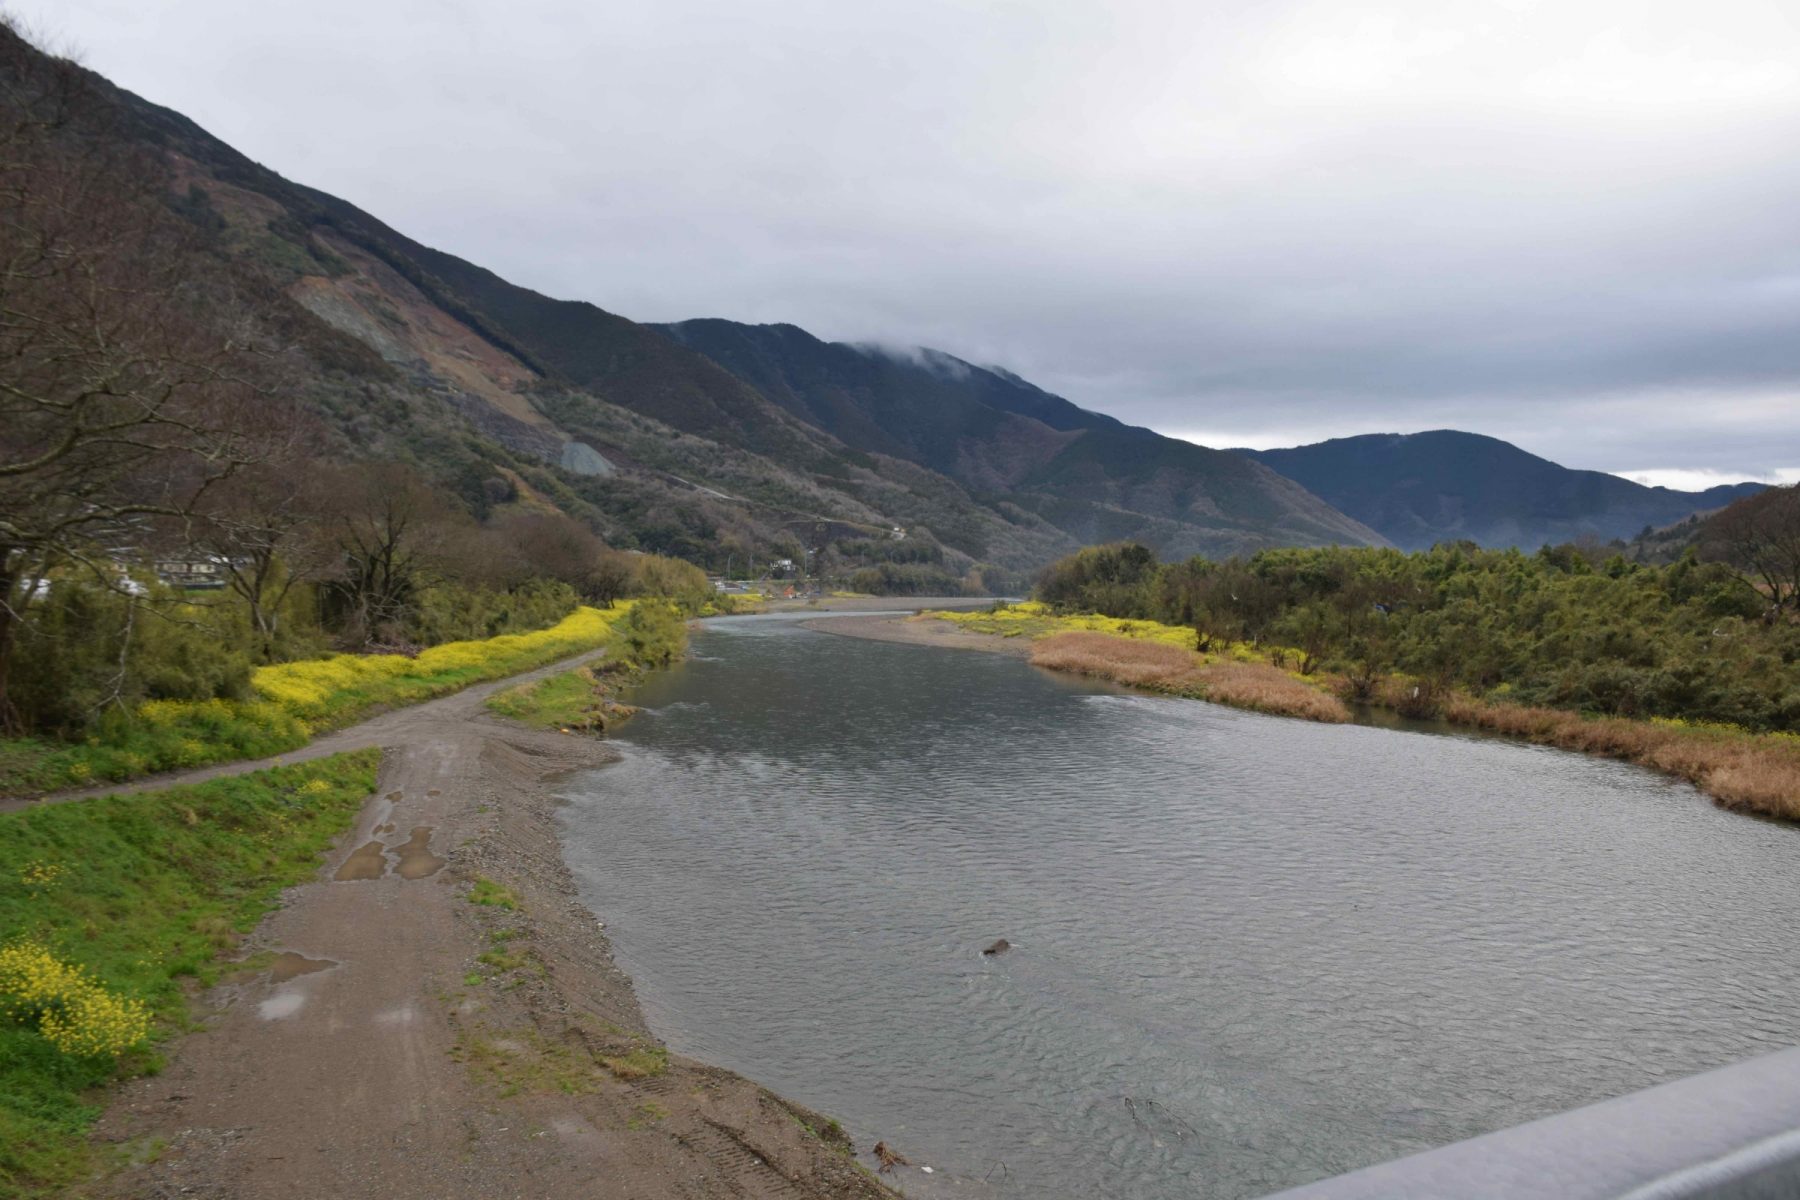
[284,1003]
[368,862]
[288,965]
[416,859]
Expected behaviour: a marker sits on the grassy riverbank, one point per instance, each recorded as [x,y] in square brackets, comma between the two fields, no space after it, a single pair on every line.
[292,702]
[1738,768]
[651,635]
[110,909]
[572,700]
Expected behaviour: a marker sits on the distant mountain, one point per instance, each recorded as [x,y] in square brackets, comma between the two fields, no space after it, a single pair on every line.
[1417,489]
[1016,446]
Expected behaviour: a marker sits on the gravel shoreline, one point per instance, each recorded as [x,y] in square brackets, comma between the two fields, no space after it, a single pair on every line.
[413,1042]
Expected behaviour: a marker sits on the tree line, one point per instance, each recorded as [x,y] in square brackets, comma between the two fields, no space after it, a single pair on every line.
[1710,637]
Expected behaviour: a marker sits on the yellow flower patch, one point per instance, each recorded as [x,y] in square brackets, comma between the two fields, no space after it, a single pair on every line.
[73,1011]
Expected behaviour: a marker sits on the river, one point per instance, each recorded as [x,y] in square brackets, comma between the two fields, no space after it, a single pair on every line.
[1248,951]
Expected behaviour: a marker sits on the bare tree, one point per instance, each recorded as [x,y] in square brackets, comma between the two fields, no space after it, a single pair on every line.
[264,529]
[613,576]
[387,527]
[126,368]
[552,546]
[1760,536]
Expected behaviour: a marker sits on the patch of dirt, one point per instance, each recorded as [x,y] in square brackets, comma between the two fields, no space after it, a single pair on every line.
[454,1050]
[921,632]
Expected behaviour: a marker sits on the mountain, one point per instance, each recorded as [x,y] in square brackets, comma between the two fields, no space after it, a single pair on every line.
[410,354]
[1417,489]
[1011,443]
[504,396]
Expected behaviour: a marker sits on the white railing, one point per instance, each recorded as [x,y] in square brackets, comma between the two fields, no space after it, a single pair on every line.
[1730,1134]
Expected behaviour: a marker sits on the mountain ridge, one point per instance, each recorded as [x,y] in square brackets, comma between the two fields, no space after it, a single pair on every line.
[1087,473]
[547,378]
[1437,485]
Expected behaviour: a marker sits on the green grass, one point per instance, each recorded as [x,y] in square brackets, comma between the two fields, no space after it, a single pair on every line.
[639,1062]
[144,892]
[296,701]
[564,701]
[649,636]
[489,894]
[525,1062]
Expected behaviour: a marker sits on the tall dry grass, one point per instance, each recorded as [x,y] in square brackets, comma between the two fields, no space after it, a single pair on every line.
[1141,664]
[1749,772]
[1270,690]
[1757,773]
[1165,668]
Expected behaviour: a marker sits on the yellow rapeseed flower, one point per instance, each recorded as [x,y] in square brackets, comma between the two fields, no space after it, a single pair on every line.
[74,1012]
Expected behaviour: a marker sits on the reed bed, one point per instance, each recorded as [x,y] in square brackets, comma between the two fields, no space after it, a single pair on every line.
[1161,667]
[1269,689]
[1757,773]
[1140,664]
[1739,769]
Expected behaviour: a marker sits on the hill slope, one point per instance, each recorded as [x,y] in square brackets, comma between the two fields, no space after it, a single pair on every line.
[412,354]
[498,391]
[1004,439]
[1422,488]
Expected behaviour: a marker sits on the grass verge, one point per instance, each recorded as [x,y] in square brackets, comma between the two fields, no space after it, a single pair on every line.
[142,894]
[648,637]
[572,700]
[1158,657]
[294,702]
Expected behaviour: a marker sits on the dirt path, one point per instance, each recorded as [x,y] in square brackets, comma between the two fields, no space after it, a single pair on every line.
[393,728]
[377,1054]
[402,725]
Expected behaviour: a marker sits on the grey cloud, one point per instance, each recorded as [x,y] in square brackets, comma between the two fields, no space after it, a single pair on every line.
[1566,225]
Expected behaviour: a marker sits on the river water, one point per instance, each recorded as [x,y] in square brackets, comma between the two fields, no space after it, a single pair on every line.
[1249,951]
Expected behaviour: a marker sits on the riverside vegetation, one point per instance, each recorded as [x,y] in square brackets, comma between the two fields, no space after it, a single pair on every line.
[1689,668]
[135,684]
[651,635]
[110,910]
[109,907]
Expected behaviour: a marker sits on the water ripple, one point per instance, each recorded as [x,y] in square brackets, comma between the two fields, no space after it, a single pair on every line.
[1248,952]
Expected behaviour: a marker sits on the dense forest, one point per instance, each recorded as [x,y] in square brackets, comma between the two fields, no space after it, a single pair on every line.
[1712,637]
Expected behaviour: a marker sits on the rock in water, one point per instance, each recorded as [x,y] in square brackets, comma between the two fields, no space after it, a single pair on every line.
[999,947]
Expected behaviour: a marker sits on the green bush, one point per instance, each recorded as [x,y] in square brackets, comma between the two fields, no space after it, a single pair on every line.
[88,651]
[652,634]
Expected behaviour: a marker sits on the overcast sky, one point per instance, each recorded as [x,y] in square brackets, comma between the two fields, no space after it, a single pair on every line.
[1571,224]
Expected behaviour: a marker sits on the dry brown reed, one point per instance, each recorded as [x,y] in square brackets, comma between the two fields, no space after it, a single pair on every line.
[1271,690]
[1750,772]
[1165,668]
[1145,664]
